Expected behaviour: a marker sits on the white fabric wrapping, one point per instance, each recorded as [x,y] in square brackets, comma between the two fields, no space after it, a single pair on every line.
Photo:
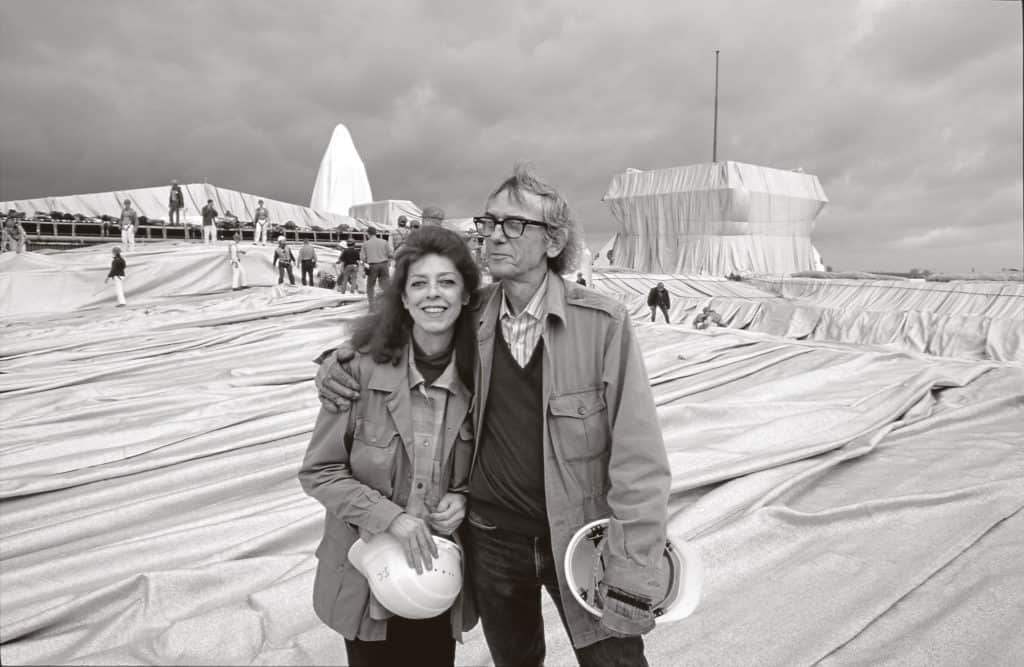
[36,284]
[385,213]
[152,203]
[851,505]
[715,219]
[341,181]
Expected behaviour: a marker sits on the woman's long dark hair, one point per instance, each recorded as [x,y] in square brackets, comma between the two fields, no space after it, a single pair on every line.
[384,333]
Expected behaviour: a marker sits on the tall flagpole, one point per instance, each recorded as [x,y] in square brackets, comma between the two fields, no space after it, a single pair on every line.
[714,144]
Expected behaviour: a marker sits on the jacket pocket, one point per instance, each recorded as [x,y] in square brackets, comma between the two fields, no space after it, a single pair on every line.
[374,448]
[380,434]
[579,424]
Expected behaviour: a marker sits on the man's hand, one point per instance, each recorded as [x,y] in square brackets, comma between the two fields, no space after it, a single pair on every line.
[415,538]
[624,614]
[450,512]
[335,385]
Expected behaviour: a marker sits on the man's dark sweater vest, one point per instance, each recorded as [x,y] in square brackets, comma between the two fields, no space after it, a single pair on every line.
[507,485]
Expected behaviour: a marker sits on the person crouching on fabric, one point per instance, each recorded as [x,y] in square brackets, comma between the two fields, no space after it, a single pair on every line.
[398,460]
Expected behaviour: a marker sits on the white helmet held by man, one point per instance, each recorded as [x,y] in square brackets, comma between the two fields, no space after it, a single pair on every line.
[584,572]
[398,587]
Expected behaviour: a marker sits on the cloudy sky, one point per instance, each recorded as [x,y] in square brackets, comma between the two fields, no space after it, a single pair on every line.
[908,112]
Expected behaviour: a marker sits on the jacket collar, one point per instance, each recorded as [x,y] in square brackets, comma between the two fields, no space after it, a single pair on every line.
[491,300]
[391,378]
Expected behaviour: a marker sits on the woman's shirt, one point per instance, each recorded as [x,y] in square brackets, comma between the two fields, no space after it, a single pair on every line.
[429,403]
[116,267]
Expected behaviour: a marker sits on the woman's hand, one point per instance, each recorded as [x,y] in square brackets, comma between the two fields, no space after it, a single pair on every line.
[450,512]
[414,535]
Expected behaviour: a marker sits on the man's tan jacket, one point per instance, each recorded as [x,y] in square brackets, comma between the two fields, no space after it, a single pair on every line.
[604,456]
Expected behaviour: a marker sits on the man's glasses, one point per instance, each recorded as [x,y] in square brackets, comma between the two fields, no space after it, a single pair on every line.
[512,227]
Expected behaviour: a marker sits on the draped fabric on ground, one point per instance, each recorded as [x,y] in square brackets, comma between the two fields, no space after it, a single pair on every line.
[852,505]
[965,319]
[62,282]
[152,203]
[716,219]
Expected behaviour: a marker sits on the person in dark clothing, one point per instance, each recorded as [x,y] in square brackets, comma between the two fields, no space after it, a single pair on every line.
[658,299]
[348,264]
[209,222]
[307,262]
[580,280]
[117,266]
[175,203]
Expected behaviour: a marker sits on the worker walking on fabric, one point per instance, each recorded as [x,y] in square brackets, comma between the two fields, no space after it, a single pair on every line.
[376,255]
[209,223]
[175,203]
[307,262]
[129,221]
[117,266]
[348,265]
[235,253]
[283,259]
[261,218]
[658,299]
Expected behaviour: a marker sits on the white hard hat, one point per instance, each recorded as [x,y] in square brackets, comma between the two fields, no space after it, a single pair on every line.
[344,244]
[584,570]
[280,238]
[398,587]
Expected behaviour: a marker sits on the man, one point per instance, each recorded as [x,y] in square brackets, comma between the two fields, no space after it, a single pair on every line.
[398,236]
[262,220]
[129,221]
[283,259]
[175,203]
[375,254]
[580,280]
[658,299]
[348,263]
[706,318]
[566,433]
[14,237]
[209,223]
[235,253]
[432,215]
[307,262]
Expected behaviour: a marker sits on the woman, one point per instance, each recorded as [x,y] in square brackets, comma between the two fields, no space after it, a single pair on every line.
[398,461]
[117,266]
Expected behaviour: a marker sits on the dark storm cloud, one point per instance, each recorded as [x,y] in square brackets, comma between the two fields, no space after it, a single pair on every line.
[909,113]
